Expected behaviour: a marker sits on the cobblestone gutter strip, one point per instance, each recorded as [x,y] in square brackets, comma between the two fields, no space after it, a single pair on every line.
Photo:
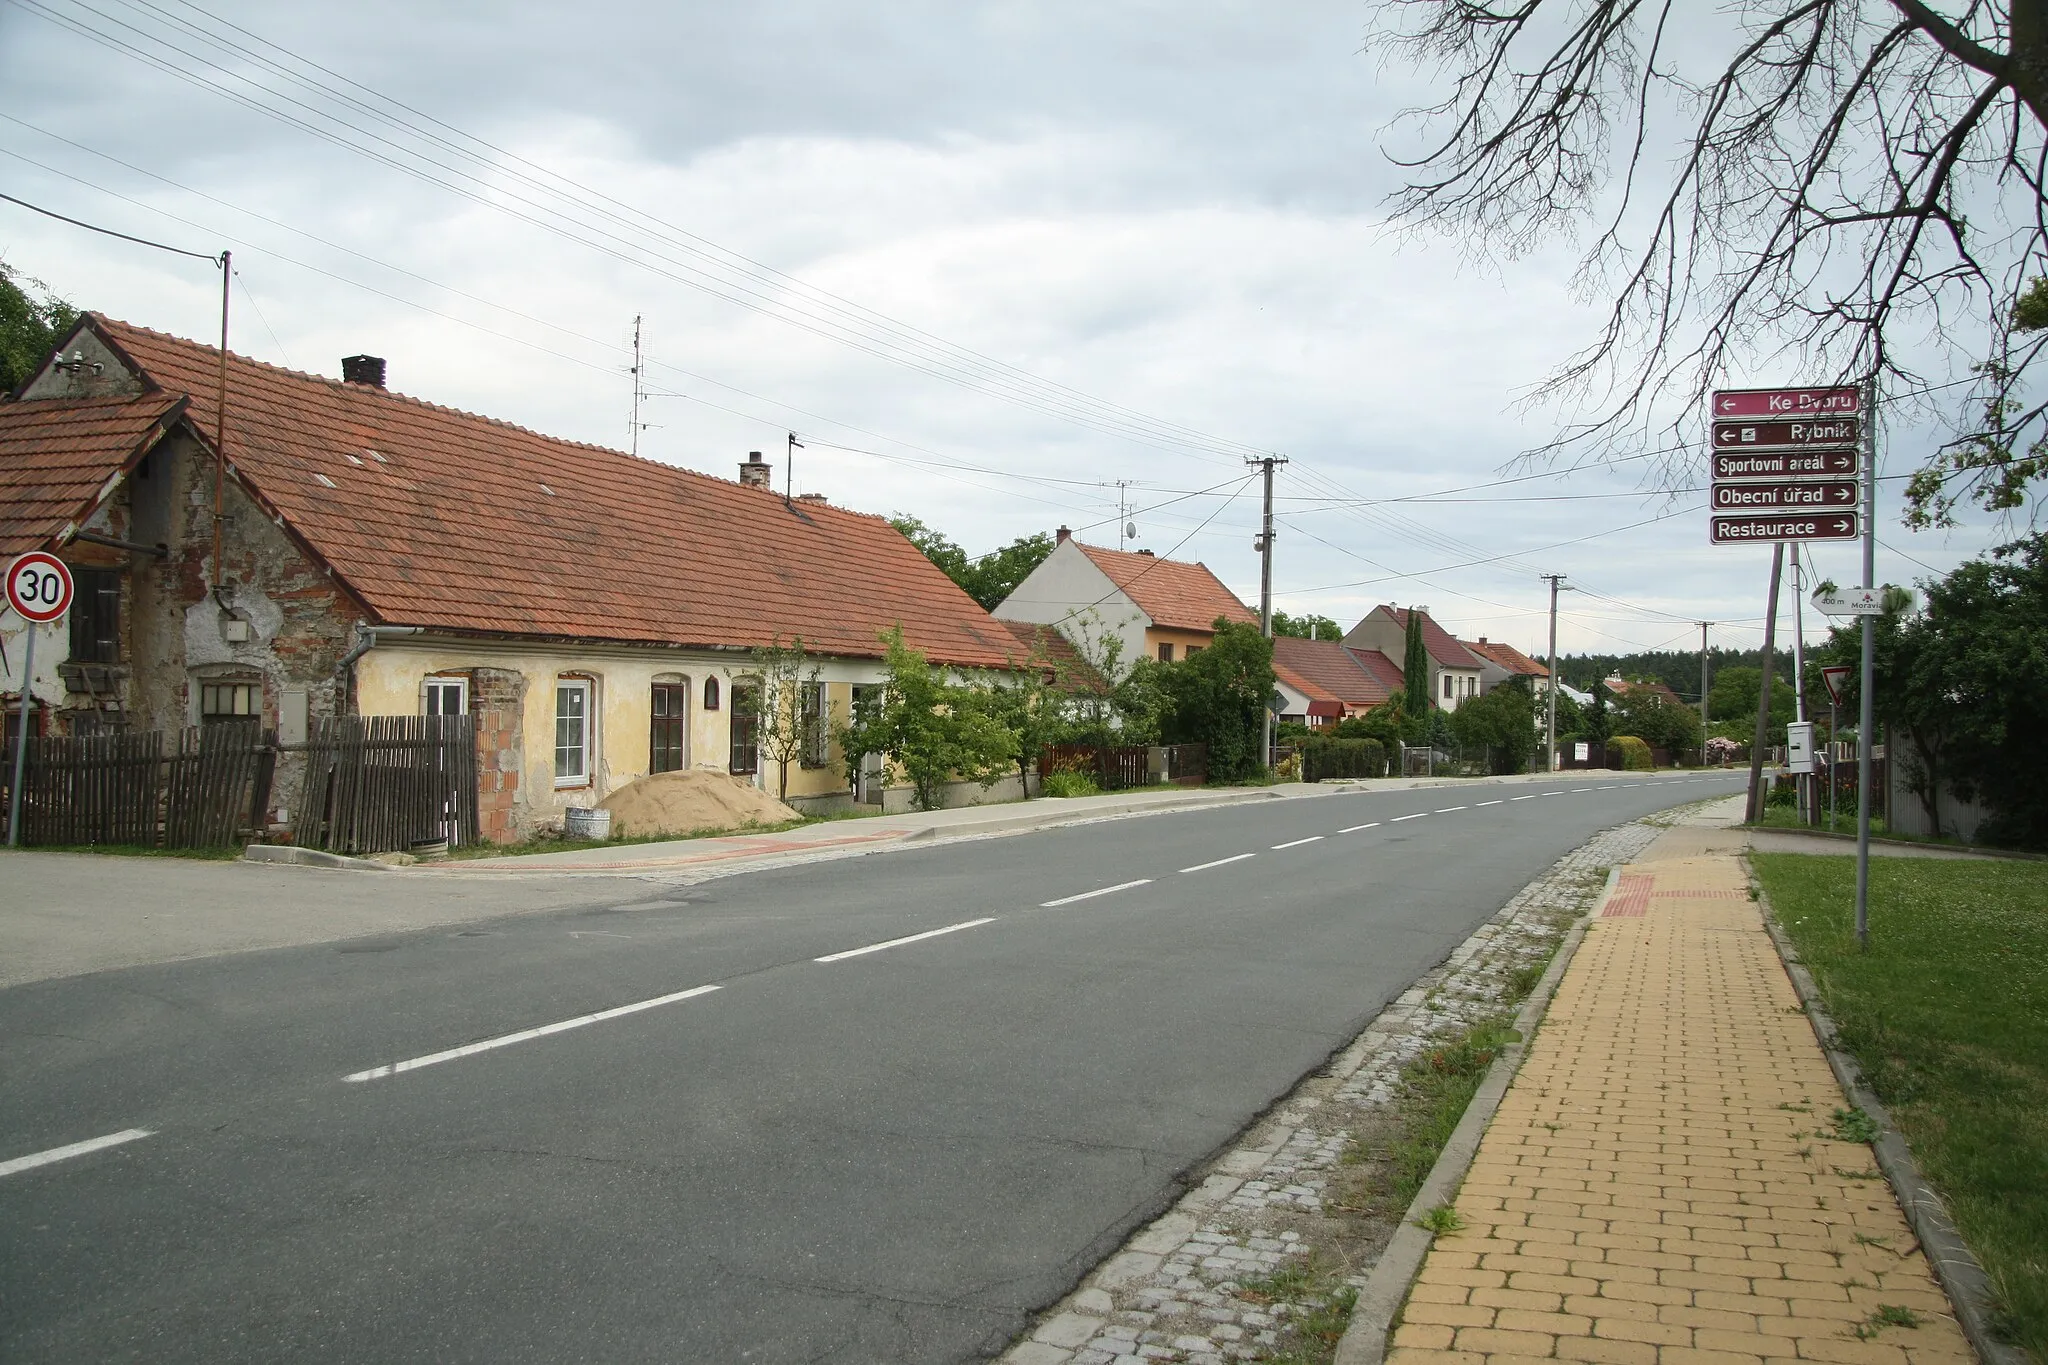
[1195,1285]
[1955,1265]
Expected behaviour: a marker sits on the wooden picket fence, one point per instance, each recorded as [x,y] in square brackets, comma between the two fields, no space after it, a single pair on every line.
[130,788]
[1114,767]
[377,784]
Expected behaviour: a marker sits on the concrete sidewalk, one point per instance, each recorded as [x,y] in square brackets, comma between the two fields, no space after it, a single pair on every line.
[1659,1187]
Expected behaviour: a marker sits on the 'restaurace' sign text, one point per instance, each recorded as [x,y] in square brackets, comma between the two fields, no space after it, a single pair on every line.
[1749,530]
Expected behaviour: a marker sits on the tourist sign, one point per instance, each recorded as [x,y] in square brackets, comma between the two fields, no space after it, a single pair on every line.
[1738,529]
[1844,433]
[1829,495]
[1836,401]
[1786,464]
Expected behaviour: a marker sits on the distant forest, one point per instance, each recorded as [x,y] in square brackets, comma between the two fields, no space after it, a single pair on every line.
[1678,670]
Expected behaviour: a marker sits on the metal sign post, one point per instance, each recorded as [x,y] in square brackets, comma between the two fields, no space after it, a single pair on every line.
[39,590]
[1833,676]
[1868,720]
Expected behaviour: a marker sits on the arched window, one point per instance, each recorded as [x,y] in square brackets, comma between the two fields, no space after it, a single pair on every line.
[711,694]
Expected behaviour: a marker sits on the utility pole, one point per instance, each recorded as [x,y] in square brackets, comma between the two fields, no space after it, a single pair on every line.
[1703,691]
[1550,691]
[634,425]
[1265,547]
[1123,515]
[789,470]
[1763,698]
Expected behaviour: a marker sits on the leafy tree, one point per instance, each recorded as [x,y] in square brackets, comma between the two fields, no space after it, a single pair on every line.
[1217,698]
[30,326]
[1856,186]
[1502,723]
[933,729]
[786,729]
[1962,687]
[1306,627]
[1415,668]
[1034,702]
[989,579]
[1734,699]
[1594,722]
[1659,721]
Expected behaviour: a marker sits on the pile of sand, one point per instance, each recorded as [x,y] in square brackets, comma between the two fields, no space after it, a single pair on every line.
[691,802]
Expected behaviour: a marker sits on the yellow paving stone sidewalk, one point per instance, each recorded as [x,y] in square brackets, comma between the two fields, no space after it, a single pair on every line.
[1655,1188]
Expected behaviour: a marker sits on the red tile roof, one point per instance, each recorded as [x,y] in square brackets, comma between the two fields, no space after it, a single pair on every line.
[1358,678]
[56,459]
[1622,687]
[1068,667]
[1442,646]
[444,519]
[1175,594]
[1508,657]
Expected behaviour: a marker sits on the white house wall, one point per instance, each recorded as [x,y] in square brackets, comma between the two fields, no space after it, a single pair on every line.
[1068,592]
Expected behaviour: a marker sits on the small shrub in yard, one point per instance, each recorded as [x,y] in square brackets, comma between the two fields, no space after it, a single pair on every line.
[1069,784]
[1635,754]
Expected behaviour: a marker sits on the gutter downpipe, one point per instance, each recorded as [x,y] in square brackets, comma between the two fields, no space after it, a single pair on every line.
[366,639]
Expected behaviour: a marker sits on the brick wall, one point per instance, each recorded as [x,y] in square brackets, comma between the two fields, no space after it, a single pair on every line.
[497,699]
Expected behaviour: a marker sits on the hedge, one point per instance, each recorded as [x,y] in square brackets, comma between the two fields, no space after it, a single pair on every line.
[1322,756]
[1635,754]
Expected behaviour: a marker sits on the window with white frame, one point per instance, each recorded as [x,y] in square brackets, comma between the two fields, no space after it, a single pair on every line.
[445,697]
[1447,687]
[572,732]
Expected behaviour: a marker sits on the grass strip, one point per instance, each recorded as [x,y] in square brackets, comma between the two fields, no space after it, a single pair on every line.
[1947,1014]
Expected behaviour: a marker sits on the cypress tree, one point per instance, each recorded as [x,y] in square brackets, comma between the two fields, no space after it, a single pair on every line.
[1415,667]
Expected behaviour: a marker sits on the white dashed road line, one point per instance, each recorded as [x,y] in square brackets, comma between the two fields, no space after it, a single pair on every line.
[1399,818]
[526,1035]
[1484,804]
[1234,858]
[1063,900]
[1353,829]
[1448,809]
[1297,843]
[35,1159]
[1530,797]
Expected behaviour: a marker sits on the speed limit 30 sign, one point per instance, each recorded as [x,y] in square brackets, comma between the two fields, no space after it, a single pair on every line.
[39,586]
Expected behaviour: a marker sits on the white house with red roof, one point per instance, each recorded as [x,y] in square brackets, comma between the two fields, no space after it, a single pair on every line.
[363,552]
[1152,608]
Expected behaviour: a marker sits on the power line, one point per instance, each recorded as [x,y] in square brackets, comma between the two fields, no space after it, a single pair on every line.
[109,232]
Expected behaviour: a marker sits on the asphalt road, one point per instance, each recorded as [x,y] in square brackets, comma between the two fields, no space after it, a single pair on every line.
[390,1150]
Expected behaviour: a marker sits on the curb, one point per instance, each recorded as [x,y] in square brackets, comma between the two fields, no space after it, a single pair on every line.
[1393,1275]
[1955,1265]
[310,857]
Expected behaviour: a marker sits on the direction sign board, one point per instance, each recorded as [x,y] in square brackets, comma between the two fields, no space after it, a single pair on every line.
[1838,401]
[1739,529]
[1851,602]
[1786,464]
[38,586]
[1836,676]
[1826,433]
[1829,495]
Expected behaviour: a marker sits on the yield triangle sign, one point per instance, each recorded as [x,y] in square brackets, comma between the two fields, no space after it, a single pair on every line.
[1836,676]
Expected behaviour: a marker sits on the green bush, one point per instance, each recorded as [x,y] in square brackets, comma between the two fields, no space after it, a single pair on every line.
[1069,784]
[1635,754]
[1323,756]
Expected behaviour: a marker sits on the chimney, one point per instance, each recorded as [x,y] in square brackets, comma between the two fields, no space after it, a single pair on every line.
[1146,553]
[363,369]
[811,497]
[756,472]
[1482,639]
[1062,536]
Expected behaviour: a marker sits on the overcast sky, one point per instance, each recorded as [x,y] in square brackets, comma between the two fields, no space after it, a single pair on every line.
[1171,218]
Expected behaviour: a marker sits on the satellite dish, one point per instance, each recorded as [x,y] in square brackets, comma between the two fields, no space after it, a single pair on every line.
[1130,530]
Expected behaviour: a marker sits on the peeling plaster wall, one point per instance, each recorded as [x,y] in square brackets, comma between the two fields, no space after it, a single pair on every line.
[298,622]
